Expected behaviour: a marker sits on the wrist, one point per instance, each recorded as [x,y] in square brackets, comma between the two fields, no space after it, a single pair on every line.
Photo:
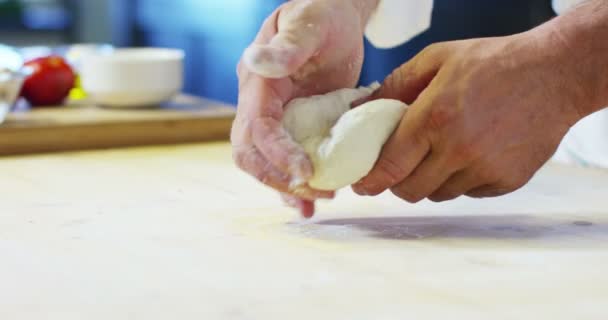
[577,39]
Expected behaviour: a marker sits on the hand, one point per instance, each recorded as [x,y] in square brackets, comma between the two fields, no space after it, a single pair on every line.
[305,47]
[485,115]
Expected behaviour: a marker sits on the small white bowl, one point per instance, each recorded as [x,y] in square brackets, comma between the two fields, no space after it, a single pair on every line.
[133,77]
[11,78]
[10,86]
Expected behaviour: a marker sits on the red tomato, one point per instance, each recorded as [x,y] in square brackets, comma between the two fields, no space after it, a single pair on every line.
[49,83]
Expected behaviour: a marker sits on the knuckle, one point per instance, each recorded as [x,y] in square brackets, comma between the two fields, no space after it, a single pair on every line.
[432,48]
[466,152]
[389,170]
[440,117]
[392,84]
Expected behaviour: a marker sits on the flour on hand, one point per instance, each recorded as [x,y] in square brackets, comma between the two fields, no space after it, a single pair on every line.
[343,144]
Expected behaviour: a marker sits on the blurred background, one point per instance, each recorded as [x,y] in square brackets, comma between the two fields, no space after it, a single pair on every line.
[214,32]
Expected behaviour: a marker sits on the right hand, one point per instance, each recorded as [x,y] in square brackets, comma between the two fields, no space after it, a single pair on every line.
[485,115]
[306,47]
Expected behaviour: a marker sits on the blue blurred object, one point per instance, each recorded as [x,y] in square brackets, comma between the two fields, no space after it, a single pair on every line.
[35,15]
[212,33]
[459,19]
[46,17]
[215,33]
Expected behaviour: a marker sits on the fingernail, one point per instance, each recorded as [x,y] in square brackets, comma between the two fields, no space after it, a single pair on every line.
[306,214]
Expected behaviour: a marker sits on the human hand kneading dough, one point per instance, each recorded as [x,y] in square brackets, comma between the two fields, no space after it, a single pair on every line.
[486,114]
[305,47]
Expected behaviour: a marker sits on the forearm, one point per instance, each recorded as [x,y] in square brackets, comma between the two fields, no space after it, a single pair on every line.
[581,38]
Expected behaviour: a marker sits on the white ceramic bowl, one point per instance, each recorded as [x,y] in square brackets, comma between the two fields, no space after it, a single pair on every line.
[11,78]
[133,77]
[10,85]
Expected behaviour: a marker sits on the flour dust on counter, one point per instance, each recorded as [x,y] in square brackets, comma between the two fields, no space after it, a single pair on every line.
[180,233]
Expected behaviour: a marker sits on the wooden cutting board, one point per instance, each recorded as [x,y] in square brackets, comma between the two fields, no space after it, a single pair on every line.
[177,232]
[84,126]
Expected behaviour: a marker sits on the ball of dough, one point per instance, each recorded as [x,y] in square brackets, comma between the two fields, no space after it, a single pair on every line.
[343,144]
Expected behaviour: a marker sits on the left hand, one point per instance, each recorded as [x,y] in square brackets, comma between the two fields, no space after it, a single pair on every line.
[305,47]
[486,114]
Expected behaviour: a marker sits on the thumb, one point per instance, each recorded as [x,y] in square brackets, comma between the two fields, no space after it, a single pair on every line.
[294,43]
[410,79]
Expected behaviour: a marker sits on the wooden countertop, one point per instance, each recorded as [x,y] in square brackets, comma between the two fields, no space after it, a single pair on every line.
[179,233]
[81,125]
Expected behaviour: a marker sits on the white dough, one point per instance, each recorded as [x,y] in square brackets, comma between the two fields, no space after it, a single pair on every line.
[343,144]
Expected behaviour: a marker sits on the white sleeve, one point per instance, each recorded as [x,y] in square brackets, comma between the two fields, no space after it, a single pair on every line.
[586,144]
[396,21]
[561,6]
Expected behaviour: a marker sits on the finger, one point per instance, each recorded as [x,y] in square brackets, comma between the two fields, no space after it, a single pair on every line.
[249,159]
[289,199]
[457,185]
[267,31]
[277,146]
[306,208]
[401,154]
[503,187]
[408,81]
[501,184]
[294,43]
[269,27]
[409,144]
[426,178]
[308,193]
[361,101]
[261,101]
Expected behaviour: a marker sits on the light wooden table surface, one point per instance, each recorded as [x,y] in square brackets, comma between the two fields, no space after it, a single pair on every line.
[81,125]
[179,233]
